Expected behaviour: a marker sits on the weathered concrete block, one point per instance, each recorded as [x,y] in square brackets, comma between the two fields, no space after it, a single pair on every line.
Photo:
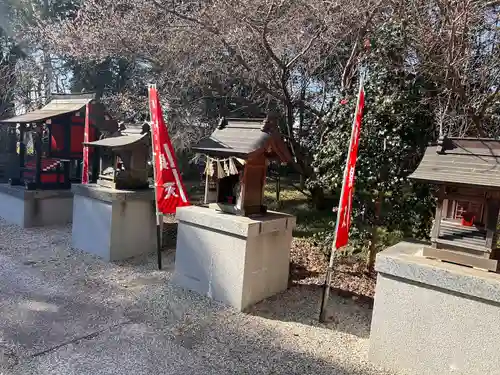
[232,259]
[113,224]
[35,208]
[433,318]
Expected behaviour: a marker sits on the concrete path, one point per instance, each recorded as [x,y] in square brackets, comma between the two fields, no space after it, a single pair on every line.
[63,312]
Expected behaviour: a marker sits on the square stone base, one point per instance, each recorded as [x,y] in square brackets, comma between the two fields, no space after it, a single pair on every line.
[432,317]
[35,208]
[113,224]
[232,259]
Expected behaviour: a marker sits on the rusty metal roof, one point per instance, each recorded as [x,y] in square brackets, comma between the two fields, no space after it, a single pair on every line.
[58,105]
[121,141]
[461,161]
[243,137]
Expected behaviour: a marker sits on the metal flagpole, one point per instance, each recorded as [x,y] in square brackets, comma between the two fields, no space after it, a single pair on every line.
[159,215]
[329,272]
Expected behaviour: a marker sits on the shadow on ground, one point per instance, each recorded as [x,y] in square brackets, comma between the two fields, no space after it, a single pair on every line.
[63,312]
[176,332]
[301,304]
[348,311]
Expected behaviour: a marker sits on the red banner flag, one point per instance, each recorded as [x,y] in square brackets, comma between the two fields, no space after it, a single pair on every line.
[86,133]
[345,205]
[170,191]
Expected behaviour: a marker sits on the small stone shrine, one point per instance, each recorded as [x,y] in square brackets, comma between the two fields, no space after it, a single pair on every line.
[124,159]
[43,155]
[436,307]
[233,250]
[467,174]
[115,218]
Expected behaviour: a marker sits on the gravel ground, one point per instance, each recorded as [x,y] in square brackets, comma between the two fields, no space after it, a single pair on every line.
[66,312]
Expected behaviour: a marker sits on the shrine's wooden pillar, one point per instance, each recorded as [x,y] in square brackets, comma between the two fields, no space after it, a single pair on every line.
[438,217]
[22,151]
[37,145]
[94,170]
[493,208]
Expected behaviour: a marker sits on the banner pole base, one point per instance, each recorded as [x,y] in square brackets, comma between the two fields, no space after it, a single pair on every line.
[159,237]
[326,295]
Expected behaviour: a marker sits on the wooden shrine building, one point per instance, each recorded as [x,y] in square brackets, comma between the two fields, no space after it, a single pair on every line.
[467,173]
[237,153]
[48,142]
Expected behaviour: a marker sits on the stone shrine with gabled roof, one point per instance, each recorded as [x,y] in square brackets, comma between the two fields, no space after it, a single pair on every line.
[467,173]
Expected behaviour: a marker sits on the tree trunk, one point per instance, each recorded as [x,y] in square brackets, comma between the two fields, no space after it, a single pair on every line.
[318,198]
[47,63]
[301,122]
[278,188]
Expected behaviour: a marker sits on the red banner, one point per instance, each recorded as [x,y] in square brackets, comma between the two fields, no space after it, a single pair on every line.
[170,191]
[345,206]
[86,133]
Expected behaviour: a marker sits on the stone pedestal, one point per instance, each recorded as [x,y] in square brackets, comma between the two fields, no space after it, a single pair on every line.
[9,166]
[432,317]
[232,259]
[35,208]
[113,224]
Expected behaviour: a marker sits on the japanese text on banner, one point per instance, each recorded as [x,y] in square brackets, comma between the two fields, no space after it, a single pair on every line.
[170,192]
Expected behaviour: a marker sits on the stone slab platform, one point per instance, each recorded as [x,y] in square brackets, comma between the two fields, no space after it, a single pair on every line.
[113,224]
[233,259]
[35,208]
[432,317]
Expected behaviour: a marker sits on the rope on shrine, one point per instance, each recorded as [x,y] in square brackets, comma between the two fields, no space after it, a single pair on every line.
[222,167]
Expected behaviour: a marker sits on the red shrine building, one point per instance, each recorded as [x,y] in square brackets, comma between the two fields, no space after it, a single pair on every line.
[46,145]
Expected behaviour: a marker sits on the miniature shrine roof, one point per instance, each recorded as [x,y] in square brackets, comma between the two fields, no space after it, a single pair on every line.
[121,141]
[461,161]
[61,104]
[243,137]
[133,128]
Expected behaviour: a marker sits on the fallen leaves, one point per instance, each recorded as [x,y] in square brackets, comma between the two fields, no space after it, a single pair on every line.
[350,279]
